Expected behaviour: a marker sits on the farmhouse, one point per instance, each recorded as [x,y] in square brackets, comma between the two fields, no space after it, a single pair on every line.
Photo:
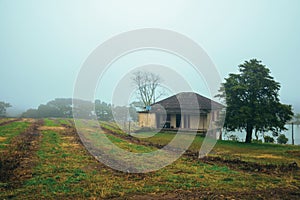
[186,110]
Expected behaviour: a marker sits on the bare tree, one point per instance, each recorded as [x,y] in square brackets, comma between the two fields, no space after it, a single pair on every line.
[147,84]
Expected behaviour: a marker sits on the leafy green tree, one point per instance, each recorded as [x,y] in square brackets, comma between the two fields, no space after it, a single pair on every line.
[48,111]
[31,113]
[253,102]
[3,107]
[282,139]
[103,111]
[83,109]
[61,107]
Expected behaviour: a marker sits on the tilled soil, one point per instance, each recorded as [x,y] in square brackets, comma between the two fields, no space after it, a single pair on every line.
[283,193]
[19,159]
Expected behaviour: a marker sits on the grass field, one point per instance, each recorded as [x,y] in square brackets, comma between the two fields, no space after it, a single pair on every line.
[45,159]
[9,131]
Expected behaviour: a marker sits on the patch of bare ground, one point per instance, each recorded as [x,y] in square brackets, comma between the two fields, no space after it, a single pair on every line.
[132,139]
[283,193]
[251,166]
[17,162]
[71,133]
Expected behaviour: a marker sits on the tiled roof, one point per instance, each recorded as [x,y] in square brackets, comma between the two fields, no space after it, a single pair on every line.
[186,102]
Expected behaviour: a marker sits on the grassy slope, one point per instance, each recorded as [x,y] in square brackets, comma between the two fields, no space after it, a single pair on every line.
[9,131]
[65,169]
[259,153]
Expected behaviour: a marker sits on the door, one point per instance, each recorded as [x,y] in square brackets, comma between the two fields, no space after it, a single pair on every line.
[158,121]
[178,120]
[186,121]
[168,121]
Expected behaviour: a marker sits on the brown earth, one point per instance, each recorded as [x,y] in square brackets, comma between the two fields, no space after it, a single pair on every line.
[19,159]
[238,164]
[283,193]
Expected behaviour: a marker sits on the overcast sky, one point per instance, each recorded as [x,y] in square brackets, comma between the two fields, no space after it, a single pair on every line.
[43,44]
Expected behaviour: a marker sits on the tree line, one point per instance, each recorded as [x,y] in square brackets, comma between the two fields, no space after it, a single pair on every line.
[3,108]
[63,108]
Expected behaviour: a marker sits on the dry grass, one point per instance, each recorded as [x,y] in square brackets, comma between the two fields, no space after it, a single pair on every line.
[268,156]
[65,170]
[51,128]
[2,139]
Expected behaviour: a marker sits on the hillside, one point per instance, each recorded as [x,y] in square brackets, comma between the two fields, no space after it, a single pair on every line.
[45,159]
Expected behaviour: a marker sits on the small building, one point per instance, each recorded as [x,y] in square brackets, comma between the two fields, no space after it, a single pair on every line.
[186,110]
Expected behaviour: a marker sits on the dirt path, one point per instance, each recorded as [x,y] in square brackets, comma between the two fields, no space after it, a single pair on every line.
[17,163]
[132,139]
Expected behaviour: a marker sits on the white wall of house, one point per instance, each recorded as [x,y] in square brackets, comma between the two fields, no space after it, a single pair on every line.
[195,122]
[147,120]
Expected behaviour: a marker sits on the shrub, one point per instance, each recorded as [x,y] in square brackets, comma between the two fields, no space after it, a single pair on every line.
[282,139]
[269,139]
[233,138]
[257,141]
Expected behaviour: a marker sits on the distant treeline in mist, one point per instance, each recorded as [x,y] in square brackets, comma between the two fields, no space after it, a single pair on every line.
[63,108]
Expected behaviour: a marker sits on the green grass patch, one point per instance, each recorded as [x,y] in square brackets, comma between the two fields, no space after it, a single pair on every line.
[50,122]
[58,170]
[97,139]
[68,122]
[254,152]
[112,127]
[11,130]
[65,170]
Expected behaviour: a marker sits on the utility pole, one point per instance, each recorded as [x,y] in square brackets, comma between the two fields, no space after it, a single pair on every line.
[129,127]
[293,141]
[129,119]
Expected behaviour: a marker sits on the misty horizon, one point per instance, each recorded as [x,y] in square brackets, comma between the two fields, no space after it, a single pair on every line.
[44,46]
